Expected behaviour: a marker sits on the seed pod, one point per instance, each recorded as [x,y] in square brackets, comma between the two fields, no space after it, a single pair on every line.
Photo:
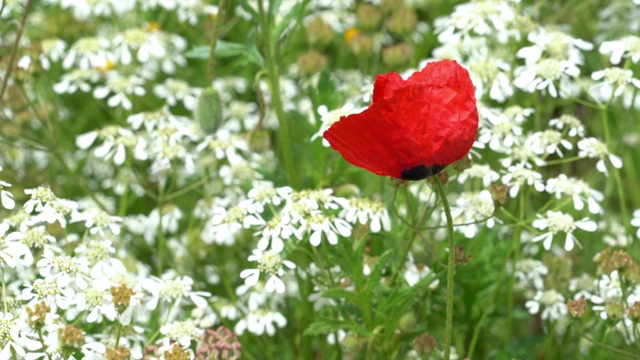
[208,111]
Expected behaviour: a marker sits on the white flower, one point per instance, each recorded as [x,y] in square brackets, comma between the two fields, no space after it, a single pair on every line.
[173,289]
[552,302]
[579,190]
[81,79]
[224,225]
[87,53]
[471,207]
[12,249]
[490,73]
[10,333]
[174,90]
[95,302]
[146,42]
[122,87]
[547,142]
[477,171]
[63,268]
[556,222]
[532,272]
[363,210]
[612,83]
[595,149]
[260,322]
[575,126]
[554,44]
[636,221]
[484,18]
[519,175]
[627,46]
[318,224]
[52,49]
[270,263]
[414,273]
[182,331]
[50,291]
[6,198]
[545,74]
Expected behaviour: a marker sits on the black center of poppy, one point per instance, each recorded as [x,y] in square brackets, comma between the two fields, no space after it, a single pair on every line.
[420,172]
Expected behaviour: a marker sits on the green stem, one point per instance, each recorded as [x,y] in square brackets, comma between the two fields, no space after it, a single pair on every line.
[515,248]
[211,63]
[274,86]
[4,292]
[448,328]
[14,49]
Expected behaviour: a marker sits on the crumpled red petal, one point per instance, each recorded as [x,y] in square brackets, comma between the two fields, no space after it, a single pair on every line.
[430,120]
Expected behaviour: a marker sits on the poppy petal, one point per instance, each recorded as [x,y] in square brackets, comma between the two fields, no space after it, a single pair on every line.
[412,129]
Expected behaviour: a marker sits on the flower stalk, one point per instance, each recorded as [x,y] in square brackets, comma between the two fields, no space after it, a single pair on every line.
[448,329]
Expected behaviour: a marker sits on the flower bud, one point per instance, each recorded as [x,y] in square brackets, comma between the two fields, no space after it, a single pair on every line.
[397,55]
[402,22]
[347,191]
[614,311]
[361,44]
[391,5]
[407,322]
[258,140]
[311,62]
[208,111]
[634,311]
[319,33]
[368,17]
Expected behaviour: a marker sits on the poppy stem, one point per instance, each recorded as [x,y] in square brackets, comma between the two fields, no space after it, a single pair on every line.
[448,328]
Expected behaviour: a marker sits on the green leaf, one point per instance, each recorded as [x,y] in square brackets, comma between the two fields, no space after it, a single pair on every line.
[327,325]
[348,296]
[295,13]
[226,49]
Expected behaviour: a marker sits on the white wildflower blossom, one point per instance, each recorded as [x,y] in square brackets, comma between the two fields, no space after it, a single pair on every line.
[183,332]
[579,191]
[260,322]
[88,53]
[518,176]
[531,272]
[78,79]
[636,221]
[6,197]
[413,273]
[626,47]
[368,211]
[553,44]
[548,142]
[491,18]
[52,50]
[546,75]
[144,42]
[271,263]
[553,304]
[572,123]
[611,83]
[490,76]
[115,143]
[478,171]
[555,222]
[319,224]
[172,289]
[12,249]
[471,207]
[174,90]
[122,87]
[593,148]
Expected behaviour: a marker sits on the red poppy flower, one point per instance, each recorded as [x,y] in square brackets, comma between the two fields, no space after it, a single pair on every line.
[413,128]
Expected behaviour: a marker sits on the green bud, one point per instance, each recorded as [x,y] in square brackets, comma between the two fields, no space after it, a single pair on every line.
[407,322]
[368,17]
[348,191]
[403,22]
[258,140]
[208,111]
[397,55]
[319,33]
[311,62]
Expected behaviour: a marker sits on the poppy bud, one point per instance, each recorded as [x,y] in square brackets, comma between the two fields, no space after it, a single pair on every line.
[402,22]
[208,111]
[361,45]
[319,33]
[368,17]
[407,322]
[397,55]
[311,62]
[259,140]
